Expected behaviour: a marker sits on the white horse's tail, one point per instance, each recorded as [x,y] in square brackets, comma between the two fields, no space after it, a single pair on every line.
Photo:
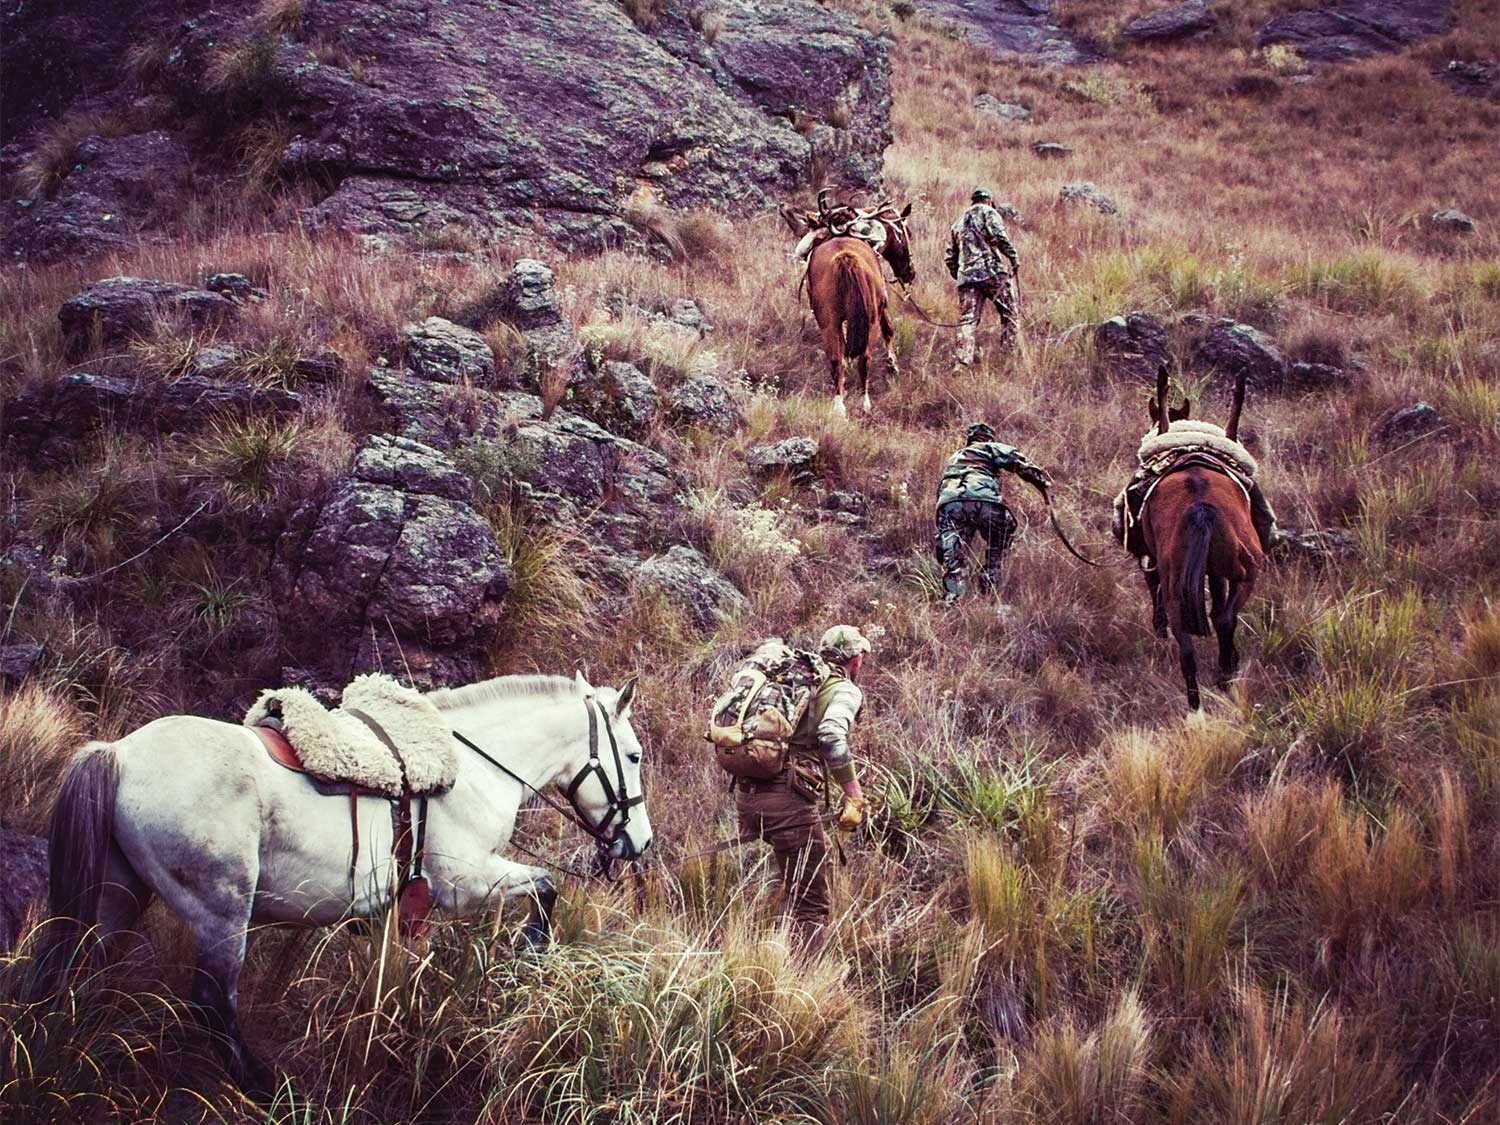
[79,841]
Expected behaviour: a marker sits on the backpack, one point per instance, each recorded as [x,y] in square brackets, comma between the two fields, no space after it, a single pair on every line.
[752,723]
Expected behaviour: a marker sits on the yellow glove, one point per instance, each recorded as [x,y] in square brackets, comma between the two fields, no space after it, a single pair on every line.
[852,815]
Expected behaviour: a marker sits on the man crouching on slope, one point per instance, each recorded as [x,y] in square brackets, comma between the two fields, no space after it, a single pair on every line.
[785,811]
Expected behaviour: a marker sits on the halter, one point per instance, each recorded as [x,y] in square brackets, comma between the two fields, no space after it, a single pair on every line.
[614,792]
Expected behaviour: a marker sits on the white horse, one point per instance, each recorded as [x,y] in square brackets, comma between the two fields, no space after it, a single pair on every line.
[194,810]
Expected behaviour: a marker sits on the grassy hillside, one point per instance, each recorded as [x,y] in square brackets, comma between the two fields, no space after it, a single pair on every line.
[1069,908]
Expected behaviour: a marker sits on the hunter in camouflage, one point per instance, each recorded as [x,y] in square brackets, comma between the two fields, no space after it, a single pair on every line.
[982,260]
[969,502]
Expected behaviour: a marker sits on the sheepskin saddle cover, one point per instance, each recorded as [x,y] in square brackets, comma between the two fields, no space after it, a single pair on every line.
[1187,435]
[339,745]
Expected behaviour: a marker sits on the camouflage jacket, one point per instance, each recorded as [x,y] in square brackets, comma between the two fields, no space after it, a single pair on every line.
[979,248]
[826,723]
[971,472]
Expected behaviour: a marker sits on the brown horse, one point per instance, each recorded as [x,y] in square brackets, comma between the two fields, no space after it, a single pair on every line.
[847,291]
[1197,527]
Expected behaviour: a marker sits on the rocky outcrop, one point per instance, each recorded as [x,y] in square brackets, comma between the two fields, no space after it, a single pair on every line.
[17,661]
[393,569]
[1229,348]
[1177,22]
[1318,545]
[1050,150]
[116,310]
[46,421]
[23,886]
[1018,27]
[1133,345]
[620,397]
[113,190]
[684,579]
[1357,29]
[1477,79]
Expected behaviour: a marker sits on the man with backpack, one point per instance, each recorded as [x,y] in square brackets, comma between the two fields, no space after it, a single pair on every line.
[782,730]
[979,251]
[969,502]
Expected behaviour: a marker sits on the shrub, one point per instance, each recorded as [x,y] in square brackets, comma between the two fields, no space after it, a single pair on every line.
[1073,1077]
[39,730]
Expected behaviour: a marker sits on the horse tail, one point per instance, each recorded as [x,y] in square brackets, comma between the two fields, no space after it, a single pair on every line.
[1201,519]
[855,300]
[79,840]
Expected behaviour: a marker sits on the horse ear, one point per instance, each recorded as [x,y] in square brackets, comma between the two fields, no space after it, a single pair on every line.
[626,698]
[906,211]
[583,683]
[1159,408]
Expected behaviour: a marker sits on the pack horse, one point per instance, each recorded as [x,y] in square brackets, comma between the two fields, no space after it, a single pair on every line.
[194,810]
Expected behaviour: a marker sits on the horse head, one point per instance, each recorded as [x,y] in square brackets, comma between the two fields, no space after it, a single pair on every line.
[897,250]
[606,791]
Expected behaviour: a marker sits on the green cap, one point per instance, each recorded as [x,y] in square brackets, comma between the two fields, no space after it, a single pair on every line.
[843,643]
[980,431]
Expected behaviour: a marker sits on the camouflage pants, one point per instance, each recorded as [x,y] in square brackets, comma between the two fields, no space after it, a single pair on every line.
[957,523]
[790,823]
[971,302]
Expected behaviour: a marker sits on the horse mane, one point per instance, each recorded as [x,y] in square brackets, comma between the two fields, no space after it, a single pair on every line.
[505,688]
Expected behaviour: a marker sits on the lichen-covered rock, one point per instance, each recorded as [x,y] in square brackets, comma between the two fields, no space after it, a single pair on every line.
[1088,193]
[1005,111]
[393,569]
[795,456]
[1177,22]
[193,401]
[1305,376]
[1019,27]
[619,396]
[1409,423]
[1132,345]
[1356,29]
[684,578]
[1229,348]
[1050,150]
[704,401]
[1316,544]
[115,190]
[1452,219]
[444,352]
[17,661]
[113,311]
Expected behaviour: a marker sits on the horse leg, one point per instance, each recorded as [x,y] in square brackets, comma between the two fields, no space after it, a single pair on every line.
[890,341]
[1187,658]
[836,371]
[1225,619]
[1158,610]
[512,880]
[863,365]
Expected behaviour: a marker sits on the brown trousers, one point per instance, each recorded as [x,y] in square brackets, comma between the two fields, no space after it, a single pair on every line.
[790,823]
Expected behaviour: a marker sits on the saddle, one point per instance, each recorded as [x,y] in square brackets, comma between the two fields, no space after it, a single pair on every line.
[350,752]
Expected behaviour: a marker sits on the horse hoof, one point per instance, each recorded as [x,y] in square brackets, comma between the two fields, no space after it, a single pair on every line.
[839,411]
[1195,719]
[866,404]
[533,942]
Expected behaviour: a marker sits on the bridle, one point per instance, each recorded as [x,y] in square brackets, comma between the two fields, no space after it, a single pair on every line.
[618,803]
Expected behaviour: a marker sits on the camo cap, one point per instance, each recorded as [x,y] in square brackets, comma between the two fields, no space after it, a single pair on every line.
[980,431]
[843,643]
[981,195]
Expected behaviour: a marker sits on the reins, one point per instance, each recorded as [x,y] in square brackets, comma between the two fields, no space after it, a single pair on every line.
[912,301]
[618,803]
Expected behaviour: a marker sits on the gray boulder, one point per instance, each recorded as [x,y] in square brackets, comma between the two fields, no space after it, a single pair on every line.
[1409,423]
[1177,22]
[1475,78]
[1229,348]
[235,286]
[1050,150]
[114,311]
[444,352]
[684,578]
[23,889]
[1005,111]
[1356,29]
[1452,219]
[704,402]
[1133,345]
[1018,27]
[795,456]
[393,569]
[193,401]
[1089,194]
[1315,544]
[529,300]
[1306,376]
[45,420]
